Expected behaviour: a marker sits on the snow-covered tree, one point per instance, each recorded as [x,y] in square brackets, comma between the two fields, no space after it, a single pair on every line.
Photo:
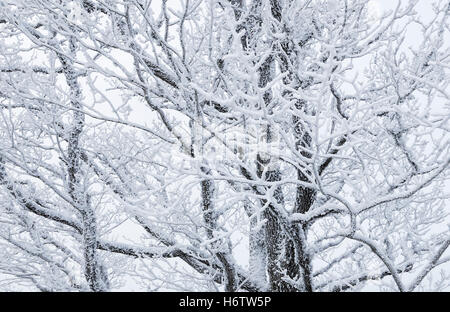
[224,145]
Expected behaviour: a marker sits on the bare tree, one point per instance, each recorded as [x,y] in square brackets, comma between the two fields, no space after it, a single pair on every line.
[228,145]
